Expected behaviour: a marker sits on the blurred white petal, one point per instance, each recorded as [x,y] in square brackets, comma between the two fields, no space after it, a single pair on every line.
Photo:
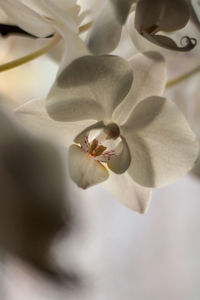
[26,18]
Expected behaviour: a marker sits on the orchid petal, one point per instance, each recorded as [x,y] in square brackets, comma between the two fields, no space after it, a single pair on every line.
[73,46]
[57,14]
[26,18]
[149,72]
[91,87]
[80,137]
[129,193]
[84,170]
[106,31]
[121,161]
[163,15]
[196,7]
[162,145]
[122,9]
[33,116]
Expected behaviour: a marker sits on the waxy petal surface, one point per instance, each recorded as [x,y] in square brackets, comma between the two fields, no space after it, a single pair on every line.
[91,87]
[106,31]
[26,18]
[162,145]
[84,170]
[163,15]
[149,72]
[128,192]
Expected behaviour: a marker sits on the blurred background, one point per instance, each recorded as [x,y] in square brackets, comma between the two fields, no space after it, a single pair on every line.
[118,254]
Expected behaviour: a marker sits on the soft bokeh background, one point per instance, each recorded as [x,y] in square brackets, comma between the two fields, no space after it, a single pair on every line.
[119,254]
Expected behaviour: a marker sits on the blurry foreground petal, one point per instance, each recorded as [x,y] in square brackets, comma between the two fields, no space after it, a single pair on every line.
[33,206]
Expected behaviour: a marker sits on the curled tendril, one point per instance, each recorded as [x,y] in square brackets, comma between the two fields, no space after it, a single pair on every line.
[186,41]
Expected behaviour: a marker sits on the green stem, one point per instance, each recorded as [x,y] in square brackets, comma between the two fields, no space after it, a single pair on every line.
[27,58]
[183,77]
[20,61]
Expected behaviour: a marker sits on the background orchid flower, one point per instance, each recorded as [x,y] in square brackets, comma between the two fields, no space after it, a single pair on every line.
[163,15]
[39,17]
[43,19]
[141,137]
[106,30]
[151,17]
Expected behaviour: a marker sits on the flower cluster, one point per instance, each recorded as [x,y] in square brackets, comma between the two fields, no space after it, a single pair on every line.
[108,111]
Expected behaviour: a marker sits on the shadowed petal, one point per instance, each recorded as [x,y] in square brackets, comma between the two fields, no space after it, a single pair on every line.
[149,71]
[162,145]
[106,31]
[122,9]
[163,15]
[91,87]
[196,7]
[121,161]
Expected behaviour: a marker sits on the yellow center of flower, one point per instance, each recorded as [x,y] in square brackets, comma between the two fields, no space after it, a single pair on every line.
[95,149]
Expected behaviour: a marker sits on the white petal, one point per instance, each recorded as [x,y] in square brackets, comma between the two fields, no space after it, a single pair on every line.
[55,12]
[80,137]
[34,117]
[120,163]
[196,7]
[84,170]
[106,31]
[74,48]
[26,18]
[90,88]
[162,145]
[122,9]
[149,78]
[124,189]
[163,15]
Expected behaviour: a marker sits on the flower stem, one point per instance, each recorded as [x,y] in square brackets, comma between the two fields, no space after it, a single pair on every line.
[27,58]
[20,61]
[183,77]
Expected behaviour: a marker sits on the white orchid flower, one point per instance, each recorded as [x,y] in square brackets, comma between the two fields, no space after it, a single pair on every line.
[39,17]
[47,18]
[140,136]
[151,17]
